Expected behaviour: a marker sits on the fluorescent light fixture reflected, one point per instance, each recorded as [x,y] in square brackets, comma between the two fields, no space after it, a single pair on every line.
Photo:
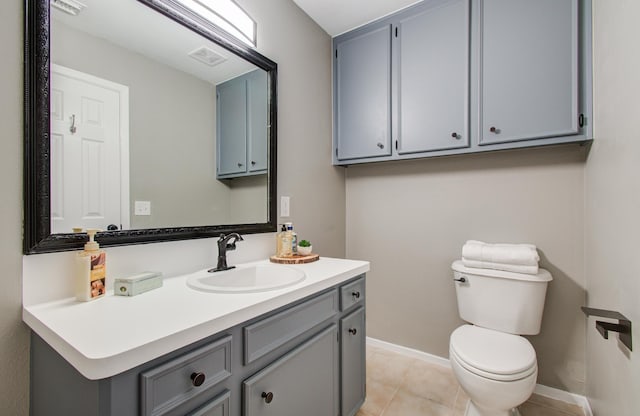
[71,7]
[227,15]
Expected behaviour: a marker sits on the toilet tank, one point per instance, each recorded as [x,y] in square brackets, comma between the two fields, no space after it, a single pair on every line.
[503,301]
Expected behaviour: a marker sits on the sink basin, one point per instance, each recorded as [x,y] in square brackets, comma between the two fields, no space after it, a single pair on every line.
[246,279]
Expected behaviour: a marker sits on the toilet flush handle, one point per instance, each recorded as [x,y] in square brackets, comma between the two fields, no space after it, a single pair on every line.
[461,280]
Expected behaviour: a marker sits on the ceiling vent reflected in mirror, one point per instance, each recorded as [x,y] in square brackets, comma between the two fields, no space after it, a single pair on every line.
[207,56]
[227,15]
[71,7]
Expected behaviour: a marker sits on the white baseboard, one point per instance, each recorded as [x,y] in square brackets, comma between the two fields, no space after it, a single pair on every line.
[541,390]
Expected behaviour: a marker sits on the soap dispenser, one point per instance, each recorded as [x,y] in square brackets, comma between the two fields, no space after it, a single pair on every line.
[90,270]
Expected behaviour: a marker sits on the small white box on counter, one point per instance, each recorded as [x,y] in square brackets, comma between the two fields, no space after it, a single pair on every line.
[137,283]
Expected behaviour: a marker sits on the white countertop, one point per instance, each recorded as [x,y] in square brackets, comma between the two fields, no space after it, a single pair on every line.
[107,336]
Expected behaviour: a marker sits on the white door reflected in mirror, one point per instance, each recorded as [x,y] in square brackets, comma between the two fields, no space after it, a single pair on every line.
[89,152]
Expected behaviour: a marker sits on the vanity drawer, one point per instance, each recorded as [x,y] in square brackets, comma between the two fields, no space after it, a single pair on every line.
[169,385]
[352,294]
[268,334]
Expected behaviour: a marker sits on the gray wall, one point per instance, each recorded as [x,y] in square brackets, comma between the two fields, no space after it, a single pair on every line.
[172,145]
[612,207]
[410,219]
[14,342]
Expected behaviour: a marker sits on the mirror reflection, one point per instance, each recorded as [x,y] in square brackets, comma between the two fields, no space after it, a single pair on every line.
[152,125]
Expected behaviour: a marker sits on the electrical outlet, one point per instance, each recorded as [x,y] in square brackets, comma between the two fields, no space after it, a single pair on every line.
[284,206]
[142,208]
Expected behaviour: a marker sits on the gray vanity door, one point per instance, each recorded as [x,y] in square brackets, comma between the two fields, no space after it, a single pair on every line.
[303,382]
[352,332]
[529,69]
[431,78]
[258,119]
[232,126]
[363,95]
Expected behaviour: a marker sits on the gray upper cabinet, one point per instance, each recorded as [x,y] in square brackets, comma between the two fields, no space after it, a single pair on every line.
[362,68]
[432,79]
[241,125]
[529,69]
[465,76]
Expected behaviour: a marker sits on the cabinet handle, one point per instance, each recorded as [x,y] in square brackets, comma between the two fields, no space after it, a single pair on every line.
[494,130]
[380,145]
[455,135]
[239,164]
[353,331]
[197,379]
[253,163]
[356,295]
[268,397]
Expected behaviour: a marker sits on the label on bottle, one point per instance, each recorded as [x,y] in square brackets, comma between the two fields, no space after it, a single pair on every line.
[97,273]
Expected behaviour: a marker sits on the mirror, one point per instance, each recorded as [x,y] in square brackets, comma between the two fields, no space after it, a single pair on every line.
[157,113]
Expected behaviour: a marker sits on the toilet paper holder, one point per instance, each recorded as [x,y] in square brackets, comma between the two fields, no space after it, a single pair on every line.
[623,327]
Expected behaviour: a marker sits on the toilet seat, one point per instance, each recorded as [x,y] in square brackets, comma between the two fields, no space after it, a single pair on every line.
[492,354]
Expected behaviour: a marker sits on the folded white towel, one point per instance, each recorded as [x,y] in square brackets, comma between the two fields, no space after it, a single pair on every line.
[514,254]
[516,268]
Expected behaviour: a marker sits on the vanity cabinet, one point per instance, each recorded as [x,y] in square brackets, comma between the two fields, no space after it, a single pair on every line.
[463,76]
[303,382]
[242,125]
[306,358]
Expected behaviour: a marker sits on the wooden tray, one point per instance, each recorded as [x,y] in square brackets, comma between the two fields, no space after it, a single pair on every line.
[295,259]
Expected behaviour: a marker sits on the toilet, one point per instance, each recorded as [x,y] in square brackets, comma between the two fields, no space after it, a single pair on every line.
[493,363]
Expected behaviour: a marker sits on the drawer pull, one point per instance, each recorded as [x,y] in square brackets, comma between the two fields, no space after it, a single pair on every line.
[197,379]
[268,397]
[494,130]
[353,331]
[356,295]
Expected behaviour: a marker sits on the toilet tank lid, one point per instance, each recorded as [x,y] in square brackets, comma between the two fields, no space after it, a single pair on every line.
[542,276]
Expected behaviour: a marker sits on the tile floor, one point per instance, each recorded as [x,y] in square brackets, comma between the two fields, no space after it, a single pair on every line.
[398,385]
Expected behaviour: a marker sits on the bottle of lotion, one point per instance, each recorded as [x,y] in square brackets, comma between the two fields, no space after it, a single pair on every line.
[90,270]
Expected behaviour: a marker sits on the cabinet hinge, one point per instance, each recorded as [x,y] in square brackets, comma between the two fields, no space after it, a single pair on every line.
[582,120]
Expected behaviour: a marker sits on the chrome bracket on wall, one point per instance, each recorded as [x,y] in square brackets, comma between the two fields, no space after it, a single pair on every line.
[623,327]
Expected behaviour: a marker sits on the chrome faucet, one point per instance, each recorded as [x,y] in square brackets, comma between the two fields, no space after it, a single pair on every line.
[223,246]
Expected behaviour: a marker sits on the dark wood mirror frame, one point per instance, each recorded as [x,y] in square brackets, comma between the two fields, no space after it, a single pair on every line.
[37,236]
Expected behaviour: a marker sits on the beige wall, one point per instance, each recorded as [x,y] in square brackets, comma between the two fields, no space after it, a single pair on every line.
[410,219]
[613,206]
[303,53]
[14,341]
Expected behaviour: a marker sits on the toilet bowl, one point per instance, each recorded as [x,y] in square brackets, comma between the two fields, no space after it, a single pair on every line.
[498,371]
[493,363]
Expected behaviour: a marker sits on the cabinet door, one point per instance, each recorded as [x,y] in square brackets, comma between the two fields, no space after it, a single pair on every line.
[529,69]
[432,78]
[303,382]
[231,129]
[258,120]
[363,95]
[352,333]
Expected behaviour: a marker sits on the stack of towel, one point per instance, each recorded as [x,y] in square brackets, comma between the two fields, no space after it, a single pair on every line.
[519,258]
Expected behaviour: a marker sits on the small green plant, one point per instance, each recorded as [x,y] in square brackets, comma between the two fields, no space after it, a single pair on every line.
[304,243]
